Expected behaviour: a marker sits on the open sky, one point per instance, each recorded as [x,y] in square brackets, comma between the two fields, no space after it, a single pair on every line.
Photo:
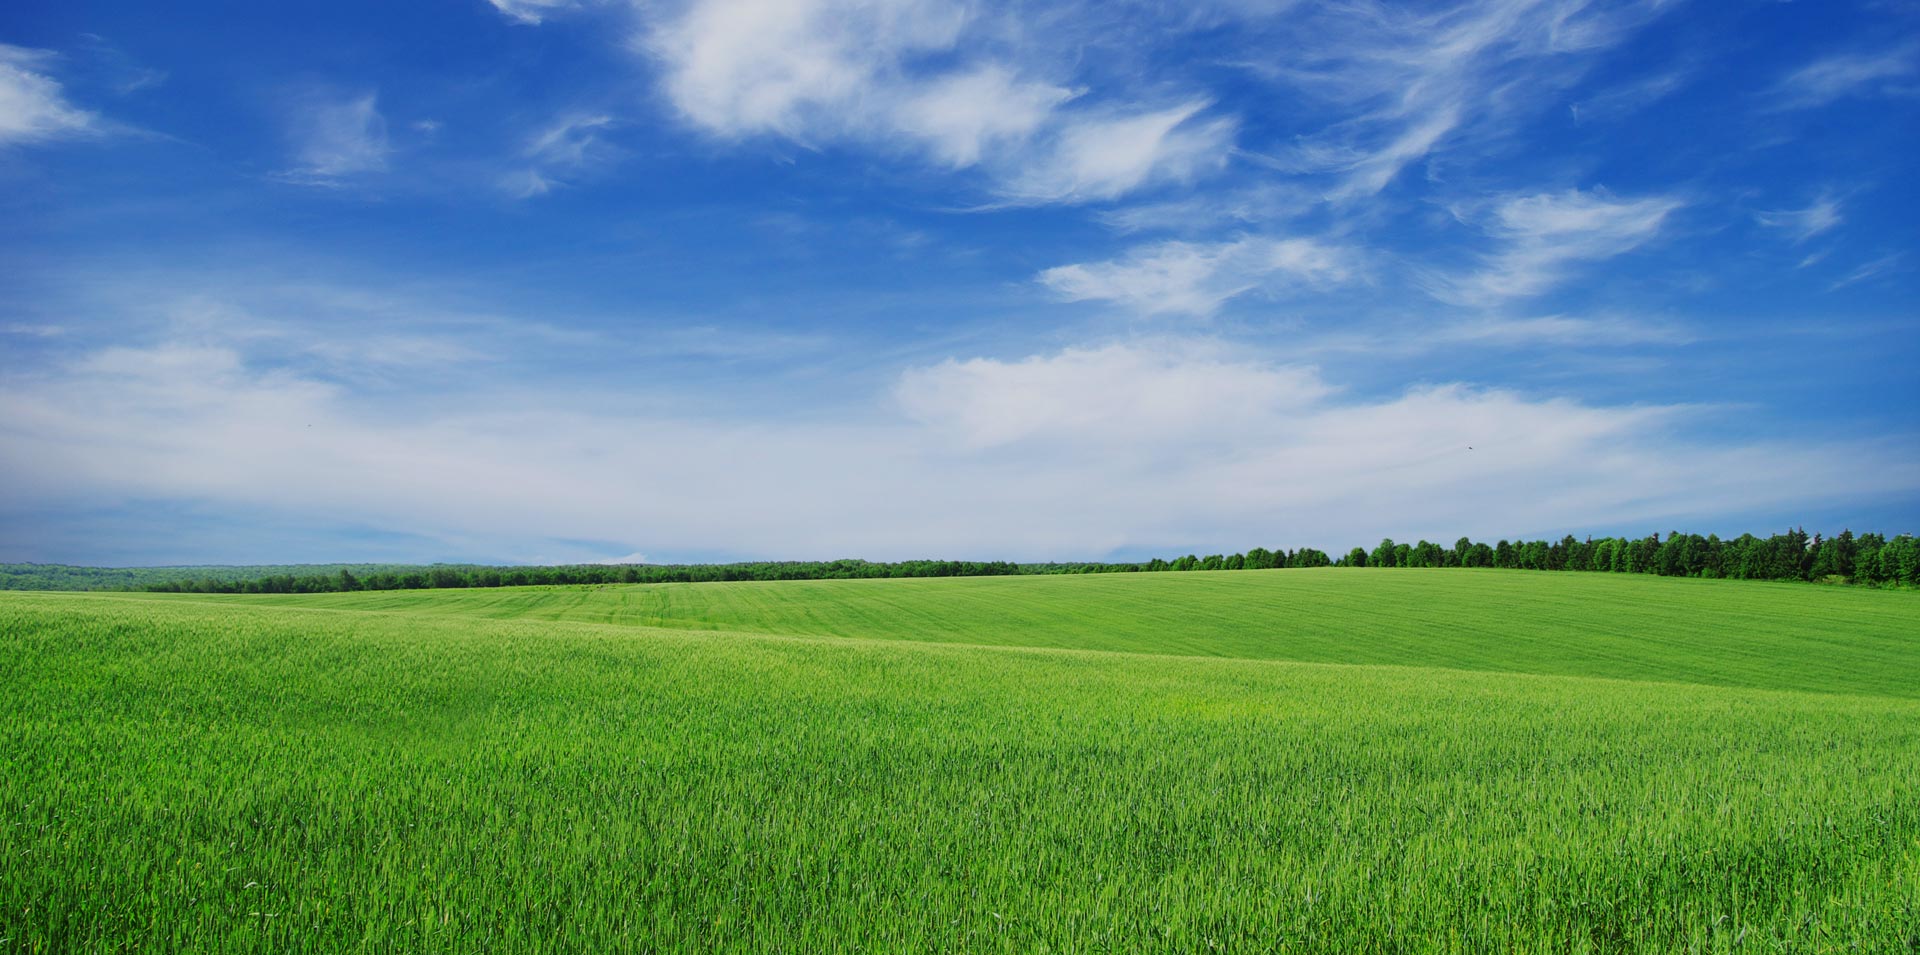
[577,280]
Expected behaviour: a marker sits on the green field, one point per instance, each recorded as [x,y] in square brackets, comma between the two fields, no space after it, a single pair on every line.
[1311,761]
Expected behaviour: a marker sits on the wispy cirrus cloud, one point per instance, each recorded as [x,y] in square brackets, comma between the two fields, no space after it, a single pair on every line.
[532,11]
[1627,98]
[1841,75]
[1541,237]
[1261,203]
[1868,271]
[1803,224]
[1106,156]
[115,69]
[1407,79]
[33,106]
[1556,330]
[1193,278]
[334,137]
[1573,340]
[972,88]
[571,146]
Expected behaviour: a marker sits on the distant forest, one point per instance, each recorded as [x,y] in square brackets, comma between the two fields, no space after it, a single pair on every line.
[1870,559]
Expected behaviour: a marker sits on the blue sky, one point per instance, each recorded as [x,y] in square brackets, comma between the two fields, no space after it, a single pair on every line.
[575,280]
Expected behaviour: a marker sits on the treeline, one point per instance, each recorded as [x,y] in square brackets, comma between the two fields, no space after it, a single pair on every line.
[1865,559]
[70,577]
[455,576]
[1871,559]
[325,578]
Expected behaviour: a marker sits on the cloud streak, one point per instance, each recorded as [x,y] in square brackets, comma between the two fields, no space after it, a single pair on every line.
[1188,278]
[1408,79]
[336,138]
[33,107]
[1803,224]
[1842,75]
[532,11]
[1542,237]
[572,146]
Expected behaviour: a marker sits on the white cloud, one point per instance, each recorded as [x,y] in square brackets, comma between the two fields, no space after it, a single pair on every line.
[1067,102]
[1105,157]
[1556,330]
[1542,236]
[1831,78]
[1565,339]
[347,336]
[1628,98]
[1803,224]
[336,138]
[570,142]
[33,107]
[960,116]
[1870,270]
[532,11]
[1409,79]
[1197,278]
[923,77]
[798,68]
[571,146]
[1171,393]
[1157,445]
[1261,203]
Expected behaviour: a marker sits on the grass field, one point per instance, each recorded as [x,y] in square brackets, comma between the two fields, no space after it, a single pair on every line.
[1552,762]
[1775,635]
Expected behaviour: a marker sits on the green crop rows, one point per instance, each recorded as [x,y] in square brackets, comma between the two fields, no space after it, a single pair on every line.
[1550,763]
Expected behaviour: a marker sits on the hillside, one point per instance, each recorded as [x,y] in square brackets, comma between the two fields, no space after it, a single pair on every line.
[545,770]
[1778,636]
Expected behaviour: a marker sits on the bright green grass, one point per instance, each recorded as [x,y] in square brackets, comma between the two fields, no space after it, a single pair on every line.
[1725,633]
[229,775]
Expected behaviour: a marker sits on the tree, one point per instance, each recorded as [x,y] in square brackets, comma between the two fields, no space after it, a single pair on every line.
[1900,561]
[1503,555]
[1713,557]
[1427,554]
[1357,557]
[1601,557]
[1533,555]
[1866,558]
[1383,555]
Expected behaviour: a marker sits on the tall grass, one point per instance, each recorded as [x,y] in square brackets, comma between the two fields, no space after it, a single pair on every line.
[227,776]
[1728,633]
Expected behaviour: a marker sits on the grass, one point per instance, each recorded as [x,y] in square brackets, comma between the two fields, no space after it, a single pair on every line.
[1726,633]
[540,771]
